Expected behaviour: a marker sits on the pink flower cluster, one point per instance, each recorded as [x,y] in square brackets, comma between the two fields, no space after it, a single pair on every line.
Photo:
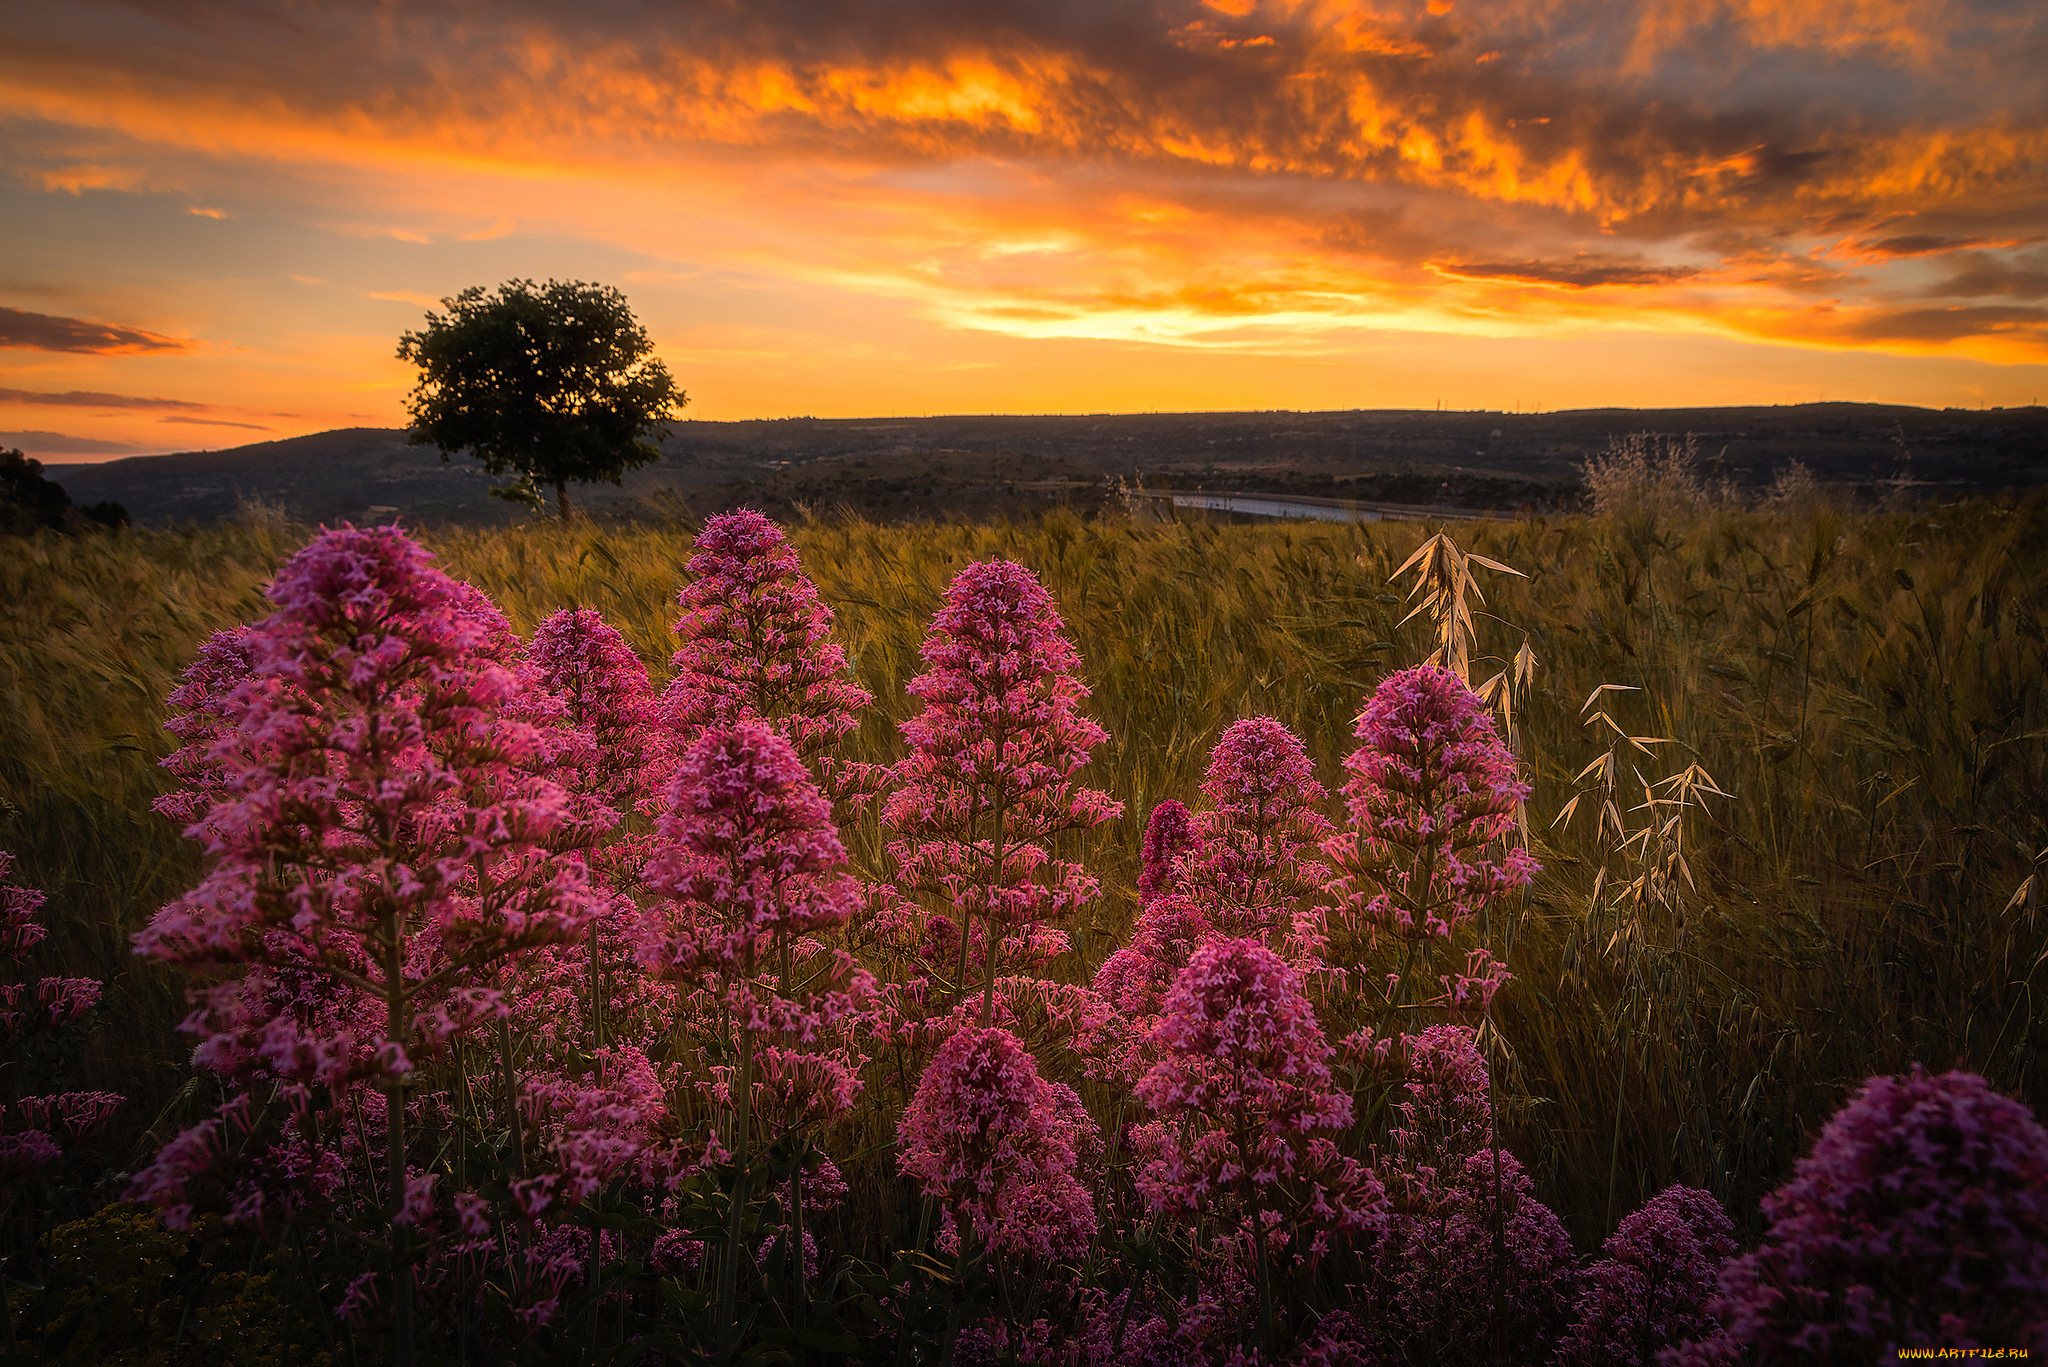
[1651,1288]
[747,851]
[1169,834]
[1136,978]
[202,717]
[434,909]
[756,641]
[1246,866]
[34,1129]
[1920,1220]
[752,870]
[382,823]
[989,779]
[607,704]
[1000,1148]
[1247,1110]
[1432,794]
[1432,798]
[370,770]
[598,1126]
[1467,1233]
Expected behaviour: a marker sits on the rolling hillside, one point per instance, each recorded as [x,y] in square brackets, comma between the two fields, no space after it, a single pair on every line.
[891,469]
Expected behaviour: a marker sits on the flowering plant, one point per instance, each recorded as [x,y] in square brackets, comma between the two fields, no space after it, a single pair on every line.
[380,831]
[989,779]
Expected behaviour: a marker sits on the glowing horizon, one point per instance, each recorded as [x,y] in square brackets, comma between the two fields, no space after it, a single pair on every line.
[220,217]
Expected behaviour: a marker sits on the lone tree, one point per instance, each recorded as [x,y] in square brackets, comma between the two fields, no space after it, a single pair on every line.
[550,383]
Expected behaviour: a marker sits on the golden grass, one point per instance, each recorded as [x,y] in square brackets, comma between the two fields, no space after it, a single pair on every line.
[1867,688]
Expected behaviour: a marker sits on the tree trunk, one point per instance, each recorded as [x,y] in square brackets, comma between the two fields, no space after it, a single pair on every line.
[562,504]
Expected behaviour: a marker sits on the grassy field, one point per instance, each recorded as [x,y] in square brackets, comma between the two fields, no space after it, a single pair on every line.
[1866,689]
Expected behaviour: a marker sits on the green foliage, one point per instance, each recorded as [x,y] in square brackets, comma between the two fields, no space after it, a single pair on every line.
[555,384]
[1865,688]
[117,1288]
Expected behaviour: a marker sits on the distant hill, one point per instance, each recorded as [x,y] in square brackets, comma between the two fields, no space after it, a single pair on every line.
[893,468]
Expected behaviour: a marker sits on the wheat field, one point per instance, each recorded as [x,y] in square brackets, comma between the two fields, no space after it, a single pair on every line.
[1865,689]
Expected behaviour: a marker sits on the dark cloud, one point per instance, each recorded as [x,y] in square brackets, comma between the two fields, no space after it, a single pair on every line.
[52,332]
[62,444]
[217,422]
[85,398]
[1949,324]
[1922,244]
[1988,276]
[1579,273]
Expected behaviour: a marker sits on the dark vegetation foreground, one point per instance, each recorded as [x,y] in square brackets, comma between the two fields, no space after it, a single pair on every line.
[1865,690]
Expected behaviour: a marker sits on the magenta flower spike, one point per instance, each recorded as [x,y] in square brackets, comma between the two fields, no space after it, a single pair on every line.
[1246,1075]
[1134,981]
[999,1148]
[1432,797]
[756,641]
[1246,866]
[1920,1220]
[752,864]
[203,714]
[1442,1279]
[1651,1288]
[373,777]
[748,851]
[35,1130]
[989,779]
[1169,835]
[584,661]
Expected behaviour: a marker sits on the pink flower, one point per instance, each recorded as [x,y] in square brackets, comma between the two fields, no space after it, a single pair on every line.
[752,867]
[1432,795]
[1651,1288]
[1246,866]
[79,1113]
[1439,1275]
[989,777]
[189,1161]
[1169,834]
[1445,1115]
[1136,979]
[586,663]
[206,713]
[1920,1219]
[380,830]
[1133,982]
[600,1125]
[25,1153]
[383,767]
[1441,1279]
[27,1143]
[1245,1101]
[756,642]
[747,849]
[999,1146]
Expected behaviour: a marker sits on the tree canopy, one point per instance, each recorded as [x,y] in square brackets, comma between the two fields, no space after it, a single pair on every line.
[553,384]
[29,499]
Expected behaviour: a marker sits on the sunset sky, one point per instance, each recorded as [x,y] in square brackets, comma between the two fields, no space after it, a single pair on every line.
[217,218]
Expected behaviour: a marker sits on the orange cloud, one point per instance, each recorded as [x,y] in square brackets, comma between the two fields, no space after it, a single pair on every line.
[1271,178]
